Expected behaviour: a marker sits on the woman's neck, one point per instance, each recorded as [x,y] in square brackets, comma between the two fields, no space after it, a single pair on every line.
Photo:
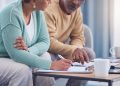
[27,10]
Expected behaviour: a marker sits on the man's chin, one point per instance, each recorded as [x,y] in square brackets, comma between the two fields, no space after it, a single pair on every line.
[70,12]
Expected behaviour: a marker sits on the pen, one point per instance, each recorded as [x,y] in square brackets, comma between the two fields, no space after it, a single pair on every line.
[61,57]
[77,65]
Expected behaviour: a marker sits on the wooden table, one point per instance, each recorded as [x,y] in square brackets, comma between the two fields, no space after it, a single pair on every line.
[89,77]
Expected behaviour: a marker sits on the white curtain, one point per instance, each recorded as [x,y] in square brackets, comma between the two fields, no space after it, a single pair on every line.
[116,23]
[98,15]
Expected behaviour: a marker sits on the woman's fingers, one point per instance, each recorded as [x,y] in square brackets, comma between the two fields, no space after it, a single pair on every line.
[20,44]
[62,64]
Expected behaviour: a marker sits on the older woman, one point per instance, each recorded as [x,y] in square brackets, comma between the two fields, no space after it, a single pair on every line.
[23,20]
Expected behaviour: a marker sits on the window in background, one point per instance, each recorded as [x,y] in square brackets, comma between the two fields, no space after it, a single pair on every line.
[98,16]
[116,23]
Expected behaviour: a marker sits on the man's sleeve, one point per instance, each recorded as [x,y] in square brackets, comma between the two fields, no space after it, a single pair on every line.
[56,46]
[77,35]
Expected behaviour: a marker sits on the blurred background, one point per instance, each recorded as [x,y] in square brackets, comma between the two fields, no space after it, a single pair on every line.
[103,18]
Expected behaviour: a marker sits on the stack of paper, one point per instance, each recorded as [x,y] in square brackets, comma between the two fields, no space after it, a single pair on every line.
[76,68]
[83,65]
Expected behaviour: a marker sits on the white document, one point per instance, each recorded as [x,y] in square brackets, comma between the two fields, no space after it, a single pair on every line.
[76,68]
[115,60]
[83,65]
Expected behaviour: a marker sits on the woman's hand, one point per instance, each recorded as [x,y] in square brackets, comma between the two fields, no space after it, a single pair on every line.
[62,64]
[20,44]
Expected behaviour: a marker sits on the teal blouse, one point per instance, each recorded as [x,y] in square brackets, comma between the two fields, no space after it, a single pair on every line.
[12,25]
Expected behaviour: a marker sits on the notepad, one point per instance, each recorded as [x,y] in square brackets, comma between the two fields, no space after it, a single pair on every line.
[77,68]
[83,65]
[114,71]
[70,70]
[115,60]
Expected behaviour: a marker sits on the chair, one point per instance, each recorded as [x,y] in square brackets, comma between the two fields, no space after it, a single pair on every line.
[88,37]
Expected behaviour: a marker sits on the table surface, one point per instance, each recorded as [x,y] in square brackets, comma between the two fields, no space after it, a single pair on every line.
[89,76]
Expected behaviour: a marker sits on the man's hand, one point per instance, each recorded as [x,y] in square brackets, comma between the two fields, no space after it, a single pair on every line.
[62,64]
[20,44]
[80,55]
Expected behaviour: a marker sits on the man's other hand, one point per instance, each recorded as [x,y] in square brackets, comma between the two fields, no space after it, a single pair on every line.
[80,55]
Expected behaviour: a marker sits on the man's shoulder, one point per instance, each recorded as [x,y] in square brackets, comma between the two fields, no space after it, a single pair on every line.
[53,8]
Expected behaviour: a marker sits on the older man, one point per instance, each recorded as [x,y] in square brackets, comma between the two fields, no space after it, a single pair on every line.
[65,22]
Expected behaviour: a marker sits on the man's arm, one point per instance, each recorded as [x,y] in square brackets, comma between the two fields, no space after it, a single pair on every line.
[56,46]
[77,34]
